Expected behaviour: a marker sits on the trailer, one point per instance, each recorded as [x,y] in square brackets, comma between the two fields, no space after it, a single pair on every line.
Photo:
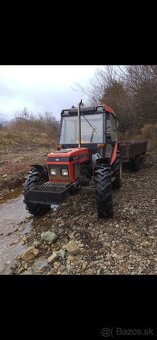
[132,153]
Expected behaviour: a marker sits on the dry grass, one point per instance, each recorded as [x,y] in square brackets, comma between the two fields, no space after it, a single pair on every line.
[22,144]
[32,135]
[25,134]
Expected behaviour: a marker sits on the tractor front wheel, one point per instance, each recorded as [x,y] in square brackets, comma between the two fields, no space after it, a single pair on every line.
[103,192]
[34,178]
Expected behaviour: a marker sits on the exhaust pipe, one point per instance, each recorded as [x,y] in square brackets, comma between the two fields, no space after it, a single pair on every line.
[79,125]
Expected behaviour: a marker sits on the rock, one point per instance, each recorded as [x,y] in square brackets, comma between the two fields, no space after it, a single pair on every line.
[56,265]
[51,272]
[81,245]
[61,224]
[18,257]
[71,258]
[46,246]
[4,176]
[71,235]
[24,239]
[108,256]
[72,248]
[62,253]
[144,244]
[14,242]
[40,265]
[2,267]
[25,265]
[27,272]
[20,270]
[36,244]
[53,257]
[30,253]
[21,228]
[90,271]
[15,265]
[49,236]
[84,266]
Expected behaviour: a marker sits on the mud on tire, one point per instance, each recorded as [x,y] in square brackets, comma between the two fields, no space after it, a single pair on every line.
[34,178]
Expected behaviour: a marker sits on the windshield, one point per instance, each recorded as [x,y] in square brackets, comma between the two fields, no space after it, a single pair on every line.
[91,129]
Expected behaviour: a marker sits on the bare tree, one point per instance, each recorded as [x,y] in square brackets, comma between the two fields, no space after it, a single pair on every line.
[131,90]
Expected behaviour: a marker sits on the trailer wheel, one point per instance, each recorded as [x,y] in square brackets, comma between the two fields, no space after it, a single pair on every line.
[103,192]
[34,178]
[135,164]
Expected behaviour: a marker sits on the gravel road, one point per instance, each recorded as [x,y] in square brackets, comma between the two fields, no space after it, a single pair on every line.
[77,242]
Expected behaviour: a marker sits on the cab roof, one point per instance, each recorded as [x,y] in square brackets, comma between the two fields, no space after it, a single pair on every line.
[88,110]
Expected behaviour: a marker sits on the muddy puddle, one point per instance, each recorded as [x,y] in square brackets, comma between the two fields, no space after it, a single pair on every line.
[15,222]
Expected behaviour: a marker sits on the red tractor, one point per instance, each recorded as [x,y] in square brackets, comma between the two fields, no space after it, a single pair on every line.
[87,159]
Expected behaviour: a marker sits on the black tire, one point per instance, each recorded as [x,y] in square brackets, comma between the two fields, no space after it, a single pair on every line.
[34,178]
[135,164]
[117,173]
[103,192]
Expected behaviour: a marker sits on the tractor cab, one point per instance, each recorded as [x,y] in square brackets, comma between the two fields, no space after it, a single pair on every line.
[98,125]
[92,122]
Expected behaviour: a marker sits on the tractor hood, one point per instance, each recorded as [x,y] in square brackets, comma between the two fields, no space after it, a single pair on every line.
[68,154]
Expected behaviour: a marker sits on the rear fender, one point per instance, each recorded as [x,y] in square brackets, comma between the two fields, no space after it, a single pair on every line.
[114,153]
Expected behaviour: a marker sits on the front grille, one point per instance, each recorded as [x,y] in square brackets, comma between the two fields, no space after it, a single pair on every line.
[52,187]
[49,193]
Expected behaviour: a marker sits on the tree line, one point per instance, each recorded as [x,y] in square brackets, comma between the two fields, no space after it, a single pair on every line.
[131,91]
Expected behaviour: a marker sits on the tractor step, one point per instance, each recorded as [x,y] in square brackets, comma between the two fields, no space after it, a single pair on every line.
[49,193]
[86,189]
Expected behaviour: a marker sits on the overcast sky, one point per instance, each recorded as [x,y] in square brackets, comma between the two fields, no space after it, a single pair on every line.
[42,88]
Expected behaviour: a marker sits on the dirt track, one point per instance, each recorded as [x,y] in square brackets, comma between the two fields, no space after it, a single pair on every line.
[15,164]
[86,245]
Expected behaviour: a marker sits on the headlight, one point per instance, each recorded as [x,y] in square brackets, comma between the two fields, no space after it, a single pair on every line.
[64,172]
[53,172]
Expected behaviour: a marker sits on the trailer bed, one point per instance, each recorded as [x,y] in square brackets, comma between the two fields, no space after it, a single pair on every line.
[130,150]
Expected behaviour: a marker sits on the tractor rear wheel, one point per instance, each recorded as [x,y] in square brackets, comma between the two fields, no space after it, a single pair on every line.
[103,192]
[35,177]
[117,173]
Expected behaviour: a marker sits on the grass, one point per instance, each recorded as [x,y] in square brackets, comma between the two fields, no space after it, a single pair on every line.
[21,136]
[35,135]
